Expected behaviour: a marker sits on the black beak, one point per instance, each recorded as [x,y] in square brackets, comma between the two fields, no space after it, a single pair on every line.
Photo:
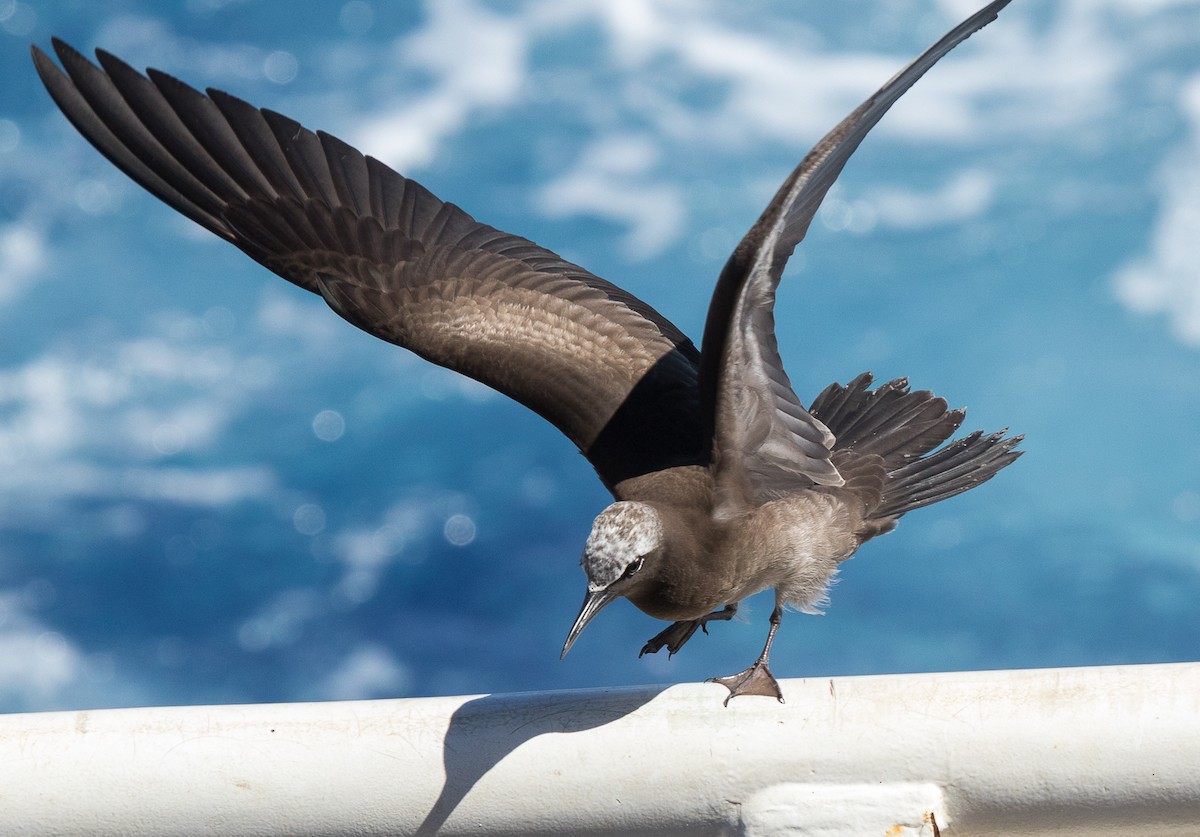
[593,603]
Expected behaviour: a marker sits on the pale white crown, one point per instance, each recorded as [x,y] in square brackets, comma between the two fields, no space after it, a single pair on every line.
[621,534]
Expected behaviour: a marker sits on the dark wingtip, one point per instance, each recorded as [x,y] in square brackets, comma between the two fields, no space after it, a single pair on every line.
[42,62]
[65,51]
[111,63]
[224,100]
[48,71]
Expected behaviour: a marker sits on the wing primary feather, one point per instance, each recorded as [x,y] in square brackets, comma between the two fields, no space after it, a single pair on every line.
[349,173]
[251,129]
[208,126]
[304,155]
[198,169]
[70,99]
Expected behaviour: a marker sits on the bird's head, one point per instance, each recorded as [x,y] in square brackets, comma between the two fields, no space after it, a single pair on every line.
[625,536]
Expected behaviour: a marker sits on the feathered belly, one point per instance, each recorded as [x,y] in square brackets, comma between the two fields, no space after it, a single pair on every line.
[794,546]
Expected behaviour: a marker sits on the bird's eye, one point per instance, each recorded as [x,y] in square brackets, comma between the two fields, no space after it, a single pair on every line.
[632,569]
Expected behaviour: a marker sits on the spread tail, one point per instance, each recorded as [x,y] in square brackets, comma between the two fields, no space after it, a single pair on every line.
[901,430]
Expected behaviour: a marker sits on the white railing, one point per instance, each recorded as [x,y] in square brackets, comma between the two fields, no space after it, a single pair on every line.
[1086,751]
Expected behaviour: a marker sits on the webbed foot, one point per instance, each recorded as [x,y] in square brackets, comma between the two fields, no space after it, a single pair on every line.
[678,633]
[756,680]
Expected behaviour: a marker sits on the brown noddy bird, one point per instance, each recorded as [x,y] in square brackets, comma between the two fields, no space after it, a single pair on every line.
[725,485]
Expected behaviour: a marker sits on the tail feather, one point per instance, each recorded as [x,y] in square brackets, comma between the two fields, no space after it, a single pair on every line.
[902,430]
[961,465]
[889,421]
[836,402]
[895,428]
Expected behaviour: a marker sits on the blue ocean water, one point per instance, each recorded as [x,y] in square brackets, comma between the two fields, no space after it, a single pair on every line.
[214,490]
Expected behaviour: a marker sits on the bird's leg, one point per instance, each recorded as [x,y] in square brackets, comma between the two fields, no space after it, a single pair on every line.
[680,632]
[756,680]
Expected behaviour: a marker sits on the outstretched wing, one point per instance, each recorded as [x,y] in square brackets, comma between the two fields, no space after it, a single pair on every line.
[765,440]
[604,367]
